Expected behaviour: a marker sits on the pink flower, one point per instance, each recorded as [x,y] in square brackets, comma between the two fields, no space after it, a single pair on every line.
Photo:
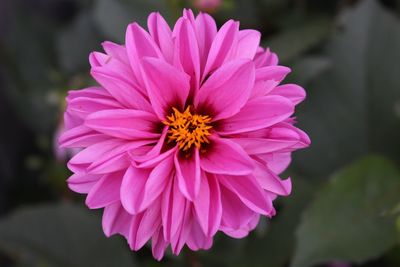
[207,5]
[186,134]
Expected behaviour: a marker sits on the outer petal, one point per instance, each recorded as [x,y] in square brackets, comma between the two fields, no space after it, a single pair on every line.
[186,52]
[225,157]
[258,113]
[235,214]
[197,239]
[206,29]
[117,51]
[276,73]
[248,191]
[121,90]
[105,192]
[243,231]
[81,136]
[224,42]
[162,35]
[295,93]
[100,153]
[167,86]
[124,123]
[271,182]
[140,187]
[158,244]
[147,225]
[139,44]
[116,220]
[82,182]
[227,90]
[172,210]
[188,174]
[208,205]
[249,41]
[277,162]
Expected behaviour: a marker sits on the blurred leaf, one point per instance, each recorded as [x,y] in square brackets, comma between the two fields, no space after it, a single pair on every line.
[276,246]
[348,219]
[271,243]
[308,69]
[60,235]
[74,44]
[113,17]
[351,108]
[292,43]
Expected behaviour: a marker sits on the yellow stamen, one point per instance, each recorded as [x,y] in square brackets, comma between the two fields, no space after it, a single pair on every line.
[188,129]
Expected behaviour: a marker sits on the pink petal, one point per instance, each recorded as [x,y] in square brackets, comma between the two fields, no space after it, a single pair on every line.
[208,205]
[197,239]
[105,192]
[81,136]
[82,182]
[293,92]
[248,191]
[155,160]
[265,58]
[227,90]
[243,231]
[117,51]
[225,157]
[254,146]
[277,162]
[124,92]
[206,29]
[83,106]
[276,73]
[101,152]
[161,34]
[188,174]
[270,181]
[167,86]
[235,214]
[112,66]
[149,223]
[258,113]
[180,238]
[140,187]
[139,44]
[158,244]
[186,52]
[249,41]
[262,88]
[172,210]
[124,123]
[116,220]
[224,42]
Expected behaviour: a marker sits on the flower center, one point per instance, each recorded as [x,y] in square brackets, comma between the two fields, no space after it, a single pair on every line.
[187,129]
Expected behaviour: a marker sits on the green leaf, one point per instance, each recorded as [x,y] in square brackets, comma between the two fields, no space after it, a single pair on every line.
[294,42]
[60,235]
[273,240]
[113,17]
[276,245]
[308,69]
[351,108]
[349,219]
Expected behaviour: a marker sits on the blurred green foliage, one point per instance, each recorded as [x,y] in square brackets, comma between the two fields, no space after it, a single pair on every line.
[345,204]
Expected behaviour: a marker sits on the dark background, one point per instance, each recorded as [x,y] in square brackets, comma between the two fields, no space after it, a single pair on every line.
[345,205]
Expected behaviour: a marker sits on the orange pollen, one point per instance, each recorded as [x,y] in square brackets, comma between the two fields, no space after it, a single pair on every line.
[188,129]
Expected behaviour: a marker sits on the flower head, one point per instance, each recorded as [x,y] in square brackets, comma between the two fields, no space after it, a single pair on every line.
[186,134]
